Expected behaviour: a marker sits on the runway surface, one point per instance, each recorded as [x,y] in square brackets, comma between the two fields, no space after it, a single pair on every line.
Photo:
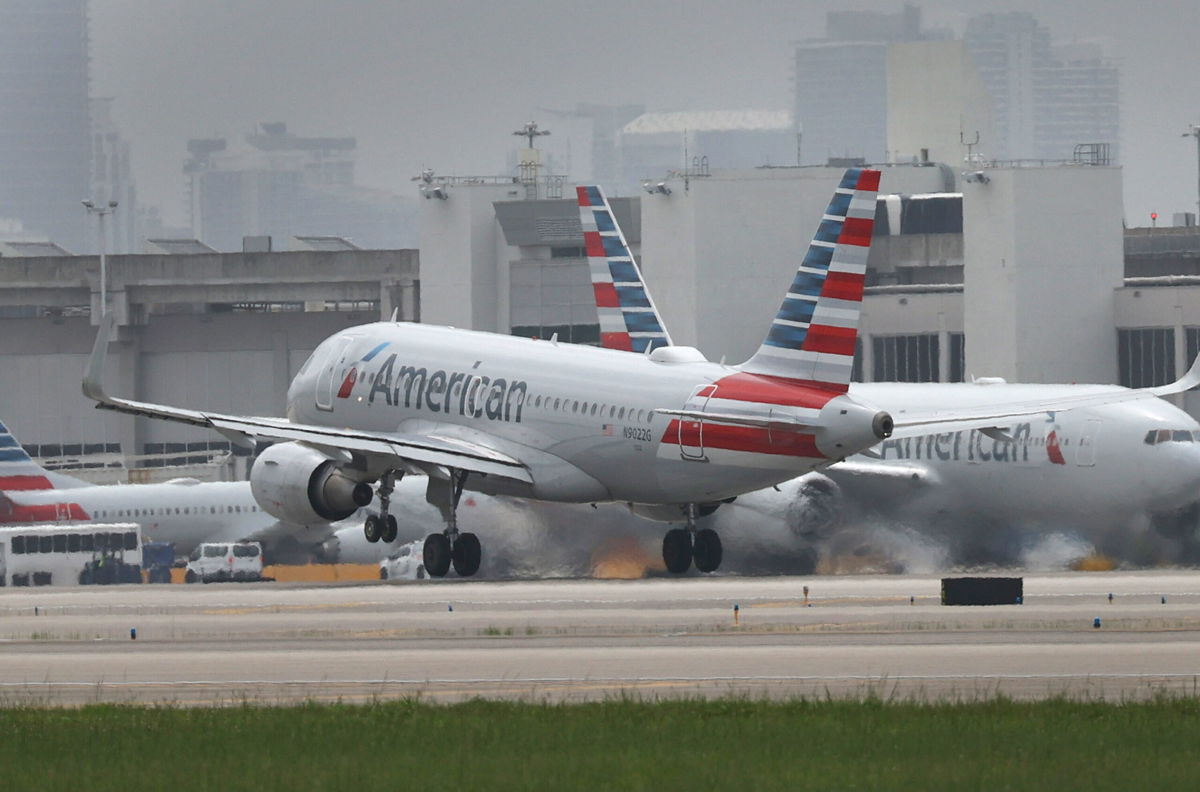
[577,640]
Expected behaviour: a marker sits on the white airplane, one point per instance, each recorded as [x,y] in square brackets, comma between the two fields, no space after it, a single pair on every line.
[669,431]
[184,511]
[1094,467]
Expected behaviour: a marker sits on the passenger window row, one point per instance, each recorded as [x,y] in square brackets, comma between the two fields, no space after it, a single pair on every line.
[590,408]
[168,511]
[73,542]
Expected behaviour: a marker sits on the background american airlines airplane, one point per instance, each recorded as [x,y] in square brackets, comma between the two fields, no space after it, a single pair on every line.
[1094,470]
[184,511]
[504,415]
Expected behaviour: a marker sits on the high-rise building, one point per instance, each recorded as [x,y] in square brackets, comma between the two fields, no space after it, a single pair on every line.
[278,184]
[112,179]
[44,133]
[841,83]
[1047,99]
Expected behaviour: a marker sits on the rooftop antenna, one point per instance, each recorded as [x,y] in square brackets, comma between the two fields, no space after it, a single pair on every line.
[970,146]
[531,131]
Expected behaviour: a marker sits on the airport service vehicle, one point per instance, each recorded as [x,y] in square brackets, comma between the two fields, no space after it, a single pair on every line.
[70,555]
[669,431]
[158,558]
[1090,466]
[407,563]
[184,511]
[223,561]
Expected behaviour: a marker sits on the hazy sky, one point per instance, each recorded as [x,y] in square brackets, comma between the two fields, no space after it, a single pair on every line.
[443,83]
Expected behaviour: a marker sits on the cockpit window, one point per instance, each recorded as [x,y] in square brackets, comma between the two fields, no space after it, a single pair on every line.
[1156,436]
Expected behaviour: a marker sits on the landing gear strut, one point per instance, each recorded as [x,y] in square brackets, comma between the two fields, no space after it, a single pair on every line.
[684,546]
[383,527]
[451,547]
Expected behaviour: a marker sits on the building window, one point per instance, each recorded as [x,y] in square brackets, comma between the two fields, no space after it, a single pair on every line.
[856,371]
[911,358]
[958,357]
[1193,344]
[1146,358]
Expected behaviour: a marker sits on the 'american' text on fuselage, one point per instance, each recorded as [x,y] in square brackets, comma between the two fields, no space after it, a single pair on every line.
[445,392]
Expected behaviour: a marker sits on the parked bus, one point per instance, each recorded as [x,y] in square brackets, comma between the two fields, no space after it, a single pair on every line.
[70,555]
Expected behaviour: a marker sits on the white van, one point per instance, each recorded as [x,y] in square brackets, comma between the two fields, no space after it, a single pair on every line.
[217,561]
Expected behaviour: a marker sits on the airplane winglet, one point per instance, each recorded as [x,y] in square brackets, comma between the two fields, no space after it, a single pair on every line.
[93,379]
[1185,383]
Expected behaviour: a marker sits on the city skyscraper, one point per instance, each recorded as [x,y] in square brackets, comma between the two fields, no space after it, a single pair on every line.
[1047,98]
[45,163]
[841,83]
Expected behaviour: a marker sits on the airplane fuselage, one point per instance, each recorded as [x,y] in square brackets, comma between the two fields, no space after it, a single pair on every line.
[1089,463]
[582,419]
[184,511]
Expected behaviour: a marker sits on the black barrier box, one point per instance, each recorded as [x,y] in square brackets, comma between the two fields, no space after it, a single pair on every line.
[982,591]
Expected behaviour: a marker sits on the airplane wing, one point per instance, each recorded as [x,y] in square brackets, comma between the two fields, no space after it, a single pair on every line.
[996,417]
[424,452]
[866,470]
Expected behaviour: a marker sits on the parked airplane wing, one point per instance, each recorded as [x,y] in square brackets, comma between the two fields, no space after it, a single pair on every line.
[420,449]
[913,424]
[865,469]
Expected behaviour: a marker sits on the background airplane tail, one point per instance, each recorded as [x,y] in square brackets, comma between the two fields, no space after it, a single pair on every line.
[19,473]
[628,317]
[814,334]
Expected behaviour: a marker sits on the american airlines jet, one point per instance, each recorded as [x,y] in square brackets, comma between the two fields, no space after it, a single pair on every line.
[1095,466]
[668,430]
[184,511]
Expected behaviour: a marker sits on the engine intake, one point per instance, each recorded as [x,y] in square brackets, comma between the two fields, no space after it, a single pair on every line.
[300,485]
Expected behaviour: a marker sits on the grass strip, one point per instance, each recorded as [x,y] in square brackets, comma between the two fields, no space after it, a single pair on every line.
[618,744]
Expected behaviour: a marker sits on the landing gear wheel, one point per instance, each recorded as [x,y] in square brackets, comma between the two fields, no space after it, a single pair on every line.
[706,551]
[466,554]
[372,528]
[437,555]
[189,577]
[389,531]
[677,551]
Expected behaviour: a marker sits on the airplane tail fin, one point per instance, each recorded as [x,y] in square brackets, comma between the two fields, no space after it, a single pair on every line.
[813,336]
[628,318]
[18,471]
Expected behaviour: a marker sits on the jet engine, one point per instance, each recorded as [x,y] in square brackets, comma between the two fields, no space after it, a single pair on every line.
[815,507]
[848,426]
[300,485]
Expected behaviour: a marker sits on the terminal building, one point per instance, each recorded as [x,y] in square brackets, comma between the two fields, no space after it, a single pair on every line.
[1020,272]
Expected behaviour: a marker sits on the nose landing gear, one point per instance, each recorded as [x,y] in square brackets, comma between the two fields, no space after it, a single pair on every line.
[382,527]
[684,546]
[463,550]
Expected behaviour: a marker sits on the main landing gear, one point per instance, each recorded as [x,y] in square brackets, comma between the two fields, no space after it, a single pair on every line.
[684,546]
[382,527]
[451,547]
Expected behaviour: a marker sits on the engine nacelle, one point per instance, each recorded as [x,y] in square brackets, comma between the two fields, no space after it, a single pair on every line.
[849,426]
[300,485]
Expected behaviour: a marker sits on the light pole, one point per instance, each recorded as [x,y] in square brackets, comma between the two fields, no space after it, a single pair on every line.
[1194,131]
[101,212]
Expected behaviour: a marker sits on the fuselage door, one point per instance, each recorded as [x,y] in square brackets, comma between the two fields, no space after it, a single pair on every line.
[1085,455]
[327,377]
[691,433]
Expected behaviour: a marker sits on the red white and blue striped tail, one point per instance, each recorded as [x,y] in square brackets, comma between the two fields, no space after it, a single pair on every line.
[812,338]
[628,318]
[18,472]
